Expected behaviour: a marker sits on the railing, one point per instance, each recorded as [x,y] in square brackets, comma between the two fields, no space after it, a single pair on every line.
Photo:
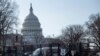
[27,50]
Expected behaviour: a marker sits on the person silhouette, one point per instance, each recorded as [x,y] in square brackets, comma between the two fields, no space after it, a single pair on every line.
[68,53]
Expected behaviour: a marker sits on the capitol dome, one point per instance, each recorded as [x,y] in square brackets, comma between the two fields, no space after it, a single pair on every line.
[31,30]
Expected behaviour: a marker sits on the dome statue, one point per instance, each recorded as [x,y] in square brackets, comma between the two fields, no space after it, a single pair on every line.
[32,31]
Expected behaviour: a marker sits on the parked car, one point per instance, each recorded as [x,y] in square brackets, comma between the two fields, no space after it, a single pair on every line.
[46,51]
[26,54]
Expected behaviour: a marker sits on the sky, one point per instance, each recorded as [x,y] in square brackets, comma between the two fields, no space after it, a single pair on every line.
[55,15]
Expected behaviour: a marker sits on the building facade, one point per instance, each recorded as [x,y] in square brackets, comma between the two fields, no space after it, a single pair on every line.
[32,31]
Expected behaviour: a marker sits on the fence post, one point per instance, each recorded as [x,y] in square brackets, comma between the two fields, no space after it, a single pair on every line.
[80,49]
[15,51]
[50,49]
[41,54]
[23,50]
[59,50]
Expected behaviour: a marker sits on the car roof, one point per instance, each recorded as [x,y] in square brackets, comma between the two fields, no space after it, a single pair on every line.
[43,49]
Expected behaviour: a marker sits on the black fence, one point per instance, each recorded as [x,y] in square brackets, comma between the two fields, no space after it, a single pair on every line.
[39,50]
[28,50]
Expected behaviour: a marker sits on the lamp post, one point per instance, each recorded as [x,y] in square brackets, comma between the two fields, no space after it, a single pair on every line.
[3,43]
[16,44]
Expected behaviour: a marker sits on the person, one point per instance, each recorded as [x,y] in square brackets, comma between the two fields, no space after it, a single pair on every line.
[76,54]
[9,51]
[98,54]
[68,53]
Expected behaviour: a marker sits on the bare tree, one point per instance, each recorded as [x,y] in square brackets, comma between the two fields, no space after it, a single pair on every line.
[93,26]
[8,17]
[72,34]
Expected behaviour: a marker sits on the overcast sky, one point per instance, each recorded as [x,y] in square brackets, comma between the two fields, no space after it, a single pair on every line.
[54,15]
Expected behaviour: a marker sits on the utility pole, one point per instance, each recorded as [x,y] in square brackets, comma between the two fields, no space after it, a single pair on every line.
[3,43]
[16,43]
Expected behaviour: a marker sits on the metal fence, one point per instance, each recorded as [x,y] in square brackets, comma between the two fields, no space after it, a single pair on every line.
[27,50]
[43,50]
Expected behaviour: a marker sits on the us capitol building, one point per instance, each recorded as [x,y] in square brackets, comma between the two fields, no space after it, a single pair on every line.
[32,31]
